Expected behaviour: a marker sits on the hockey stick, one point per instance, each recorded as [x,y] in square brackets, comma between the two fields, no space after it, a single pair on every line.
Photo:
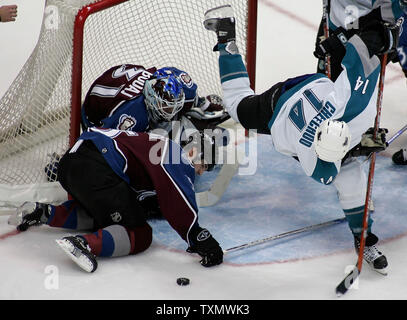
[285,234]
[214,193]
[396,135]
[388,142]
[345,284]
[325,17]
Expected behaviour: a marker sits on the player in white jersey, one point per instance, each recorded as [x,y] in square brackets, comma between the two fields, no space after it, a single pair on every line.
[311,118]
[349,17]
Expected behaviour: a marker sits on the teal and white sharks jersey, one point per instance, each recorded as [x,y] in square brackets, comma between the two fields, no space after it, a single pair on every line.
[301,109]
[351,98]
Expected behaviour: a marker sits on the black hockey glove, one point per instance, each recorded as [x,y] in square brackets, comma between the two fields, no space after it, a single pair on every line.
[369,145]
[380,37]
[34,217]
[363,21]
[206,246]
[334,45]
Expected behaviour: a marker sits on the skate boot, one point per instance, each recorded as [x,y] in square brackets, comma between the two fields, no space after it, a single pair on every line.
[371,254]
[77,248]
[400,157]
[29,214]
[222,22]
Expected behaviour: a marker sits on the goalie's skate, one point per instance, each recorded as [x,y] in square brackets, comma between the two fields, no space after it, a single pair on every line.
[29,214]
[222,21]
[79,251]
[372,255]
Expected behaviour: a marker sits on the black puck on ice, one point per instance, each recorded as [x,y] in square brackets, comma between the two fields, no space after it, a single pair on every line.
[183,281]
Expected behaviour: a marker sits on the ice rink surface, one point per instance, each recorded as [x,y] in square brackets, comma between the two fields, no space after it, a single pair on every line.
[277,198]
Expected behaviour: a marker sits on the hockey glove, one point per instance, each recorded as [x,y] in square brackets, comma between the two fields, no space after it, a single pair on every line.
[369,145]
[30,214]
[380,37]
[211,103]
[334,45]
[206,246]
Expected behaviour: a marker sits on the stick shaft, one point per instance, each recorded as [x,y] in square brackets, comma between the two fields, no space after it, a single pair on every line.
[285,234]
[325,7]
[344,285]
[396,135]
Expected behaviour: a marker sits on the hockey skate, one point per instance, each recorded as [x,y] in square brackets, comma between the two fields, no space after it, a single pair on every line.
[78,250]
[222,22]
[29,214]
[400,157]
[376,260]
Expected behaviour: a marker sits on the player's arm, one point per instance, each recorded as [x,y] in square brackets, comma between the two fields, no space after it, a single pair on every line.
[321,171]
[355,86]
[173,182]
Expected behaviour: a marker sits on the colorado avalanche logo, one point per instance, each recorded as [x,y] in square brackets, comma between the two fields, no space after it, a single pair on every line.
[126,122]
[186,79]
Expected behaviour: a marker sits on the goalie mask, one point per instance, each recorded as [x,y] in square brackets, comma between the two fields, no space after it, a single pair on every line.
[332,140]
[164,97]
[206,149]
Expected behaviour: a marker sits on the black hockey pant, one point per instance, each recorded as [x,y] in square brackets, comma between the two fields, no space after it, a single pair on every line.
[88,178]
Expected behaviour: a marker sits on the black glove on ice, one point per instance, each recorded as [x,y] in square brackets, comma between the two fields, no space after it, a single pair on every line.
[206,246]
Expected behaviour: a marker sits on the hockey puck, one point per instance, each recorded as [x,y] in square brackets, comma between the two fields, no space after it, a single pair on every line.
[183,281]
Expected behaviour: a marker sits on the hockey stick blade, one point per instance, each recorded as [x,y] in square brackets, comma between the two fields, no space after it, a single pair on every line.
[346,283]
[212,196]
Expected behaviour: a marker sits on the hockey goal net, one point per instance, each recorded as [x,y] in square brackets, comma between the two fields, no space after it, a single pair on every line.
[79,40]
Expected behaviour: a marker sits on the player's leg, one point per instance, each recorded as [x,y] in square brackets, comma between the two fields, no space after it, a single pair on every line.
[68,215]
[252,111]
[233,74]
[89,179]
[121,220]
[351,183]
[113,241]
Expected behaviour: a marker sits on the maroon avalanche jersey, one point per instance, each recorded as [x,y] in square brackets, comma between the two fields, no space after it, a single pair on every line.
[114,87]
[156,162]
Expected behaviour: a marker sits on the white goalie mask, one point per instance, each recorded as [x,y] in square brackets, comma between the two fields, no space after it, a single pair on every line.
[332,140]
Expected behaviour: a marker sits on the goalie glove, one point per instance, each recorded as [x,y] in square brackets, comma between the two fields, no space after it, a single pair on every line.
[211,103]
[202,243]
[369,145]
[208,113]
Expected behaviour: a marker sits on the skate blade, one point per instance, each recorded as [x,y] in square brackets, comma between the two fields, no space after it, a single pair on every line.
[225,11]
[82,260]
[383,271]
